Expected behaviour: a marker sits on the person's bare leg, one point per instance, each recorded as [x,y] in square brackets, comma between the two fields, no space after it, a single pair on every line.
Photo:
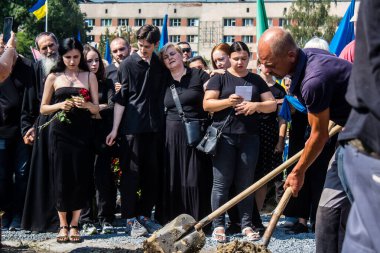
[74,229]
[260,195]
[64,229]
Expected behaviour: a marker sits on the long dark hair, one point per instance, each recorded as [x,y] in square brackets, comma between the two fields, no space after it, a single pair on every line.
[67,45]
[100,74]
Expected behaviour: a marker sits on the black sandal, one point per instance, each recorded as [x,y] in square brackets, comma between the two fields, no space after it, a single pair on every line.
[74,238]
[63,238]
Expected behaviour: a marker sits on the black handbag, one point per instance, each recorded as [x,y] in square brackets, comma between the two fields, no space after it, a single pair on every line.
[193,128]
[209,142]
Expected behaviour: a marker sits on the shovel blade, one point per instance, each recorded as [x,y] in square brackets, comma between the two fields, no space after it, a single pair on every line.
[171,237]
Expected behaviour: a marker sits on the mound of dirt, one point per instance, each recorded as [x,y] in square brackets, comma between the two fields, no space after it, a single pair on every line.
[241,247]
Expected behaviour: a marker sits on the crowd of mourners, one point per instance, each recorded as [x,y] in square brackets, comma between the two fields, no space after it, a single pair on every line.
[65,118]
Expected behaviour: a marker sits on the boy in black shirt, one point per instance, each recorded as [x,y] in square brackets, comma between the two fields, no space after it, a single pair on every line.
[139,109]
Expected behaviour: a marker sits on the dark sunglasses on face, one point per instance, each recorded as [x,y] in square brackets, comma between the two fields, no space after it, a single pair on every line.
[186,50]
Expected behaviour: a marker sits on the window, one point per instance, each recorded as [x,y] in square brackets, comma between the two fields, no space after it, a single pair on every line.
[228,38]
[175,22]
[283,22]
[123,22]
[270,22]
[90,38]
[192,38]
[194,53]
[106,22]
[247,21]
[103,37]
[90,22]
[247,38]
[192,22]
[174,38]
[229,22]
[140,21]
[158,21]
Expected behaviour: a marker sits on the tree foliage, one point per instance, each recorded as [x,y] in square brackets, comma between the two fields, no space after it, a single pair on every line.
[309,18]
[64,20]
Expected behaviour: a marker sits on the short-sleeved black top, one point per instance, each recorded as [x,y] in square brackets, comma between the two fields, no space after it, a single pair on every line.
[226,84]
[142,94]
[190,92]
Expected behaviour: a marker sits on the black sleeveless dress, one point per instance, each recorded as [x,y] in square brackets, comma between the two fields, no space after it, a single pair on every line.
[70,155]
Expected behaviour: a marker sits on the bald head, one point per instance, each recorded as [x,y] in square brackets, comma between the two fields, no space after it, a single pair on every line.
[277,52]
[278,40]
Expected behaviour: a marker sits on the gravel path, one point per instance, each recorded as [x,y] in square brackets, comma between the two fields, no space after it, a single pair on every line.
[23,241]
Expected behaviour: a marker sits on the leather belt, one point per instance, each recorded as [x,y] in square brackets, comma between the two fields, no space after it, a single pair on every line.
[362,148]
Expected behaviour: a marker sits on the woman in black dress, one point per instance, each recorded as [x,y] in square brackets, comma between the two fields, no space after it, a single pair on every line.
[236,98]
[71,91]
[187,174]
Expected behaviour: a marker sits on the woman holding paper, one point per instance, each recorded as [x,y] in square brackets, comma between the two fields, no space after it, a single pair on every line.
[236,97]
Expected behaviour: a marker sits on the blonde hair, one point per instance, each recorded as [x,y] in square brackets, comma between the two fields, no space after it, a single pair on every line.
[166,47]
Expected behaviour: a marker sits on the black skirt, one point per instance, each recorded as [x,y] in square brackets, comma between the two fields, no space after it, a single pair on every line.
[39,211]
[187,177]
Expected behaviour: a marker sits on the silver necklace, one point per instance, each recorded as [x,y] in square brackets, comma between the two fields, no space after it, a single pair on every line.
[72,82]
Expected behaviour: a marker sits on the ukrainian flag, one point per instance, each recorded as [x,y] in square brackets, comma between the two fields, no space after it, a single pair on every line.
[39,9]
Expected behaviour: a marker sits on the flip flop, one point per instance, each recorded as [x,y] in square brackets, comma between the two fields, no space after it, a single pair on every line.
[250,234]
[220,237]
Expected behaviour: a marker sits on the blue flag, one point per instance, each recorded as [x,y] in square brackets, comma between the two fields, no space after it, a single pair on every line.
[79,37]
[345,33]
[285,112]
[107,53]
[164,33]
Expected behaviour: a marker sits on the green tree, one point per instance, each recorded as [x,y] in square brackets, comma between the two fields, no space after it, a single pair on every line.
[65,20]
[309,18]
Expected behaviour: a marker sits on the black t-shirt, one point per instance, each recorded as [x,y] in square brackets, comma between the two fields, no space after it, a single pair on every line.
[226,84]
[190,92]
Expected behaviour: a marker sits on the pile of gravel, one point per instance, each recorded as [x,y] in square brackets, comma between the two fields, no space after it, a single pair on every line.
[42,242]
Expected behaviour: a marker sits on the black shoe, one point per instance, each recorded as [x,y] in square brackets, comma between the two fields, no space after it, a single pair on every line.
[233,228]
[5,223]
[298,228]
[15,224]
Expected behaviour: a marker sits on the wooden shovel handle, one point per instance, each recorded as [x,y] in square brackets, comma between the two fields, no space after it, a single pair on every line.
[221,210]
[276,216]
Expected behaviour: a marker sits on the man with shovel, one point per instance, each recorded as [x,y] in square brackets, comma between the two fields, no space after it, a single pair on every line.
[319,81]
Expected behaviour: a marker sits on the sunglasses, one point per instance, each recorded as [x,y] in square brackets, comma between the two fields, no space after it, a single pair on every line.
[186,50]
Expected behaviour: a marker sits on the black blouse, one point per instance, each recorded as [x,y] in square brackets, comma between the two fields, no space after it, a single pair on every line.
[190,92]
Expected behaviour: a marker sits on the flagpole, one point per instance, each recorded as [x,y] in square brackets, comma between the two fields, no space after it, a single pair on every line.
[46,17]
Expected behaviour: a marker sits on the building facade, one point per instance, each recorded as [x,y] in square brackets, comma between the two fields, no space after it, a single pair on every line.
[201,23]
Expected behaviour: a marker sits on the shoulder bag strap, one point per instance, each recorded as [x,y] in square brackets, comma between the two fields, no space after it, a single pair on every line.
[177,102]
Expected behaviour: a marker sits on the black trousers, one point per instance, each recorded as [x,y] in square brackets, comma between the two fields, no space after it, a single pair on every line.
[141,159]
[306,204]
[104,180]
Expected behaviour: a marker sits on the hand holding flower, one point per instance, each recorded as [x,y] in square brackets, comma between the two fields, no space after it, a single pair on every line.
[67,105]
